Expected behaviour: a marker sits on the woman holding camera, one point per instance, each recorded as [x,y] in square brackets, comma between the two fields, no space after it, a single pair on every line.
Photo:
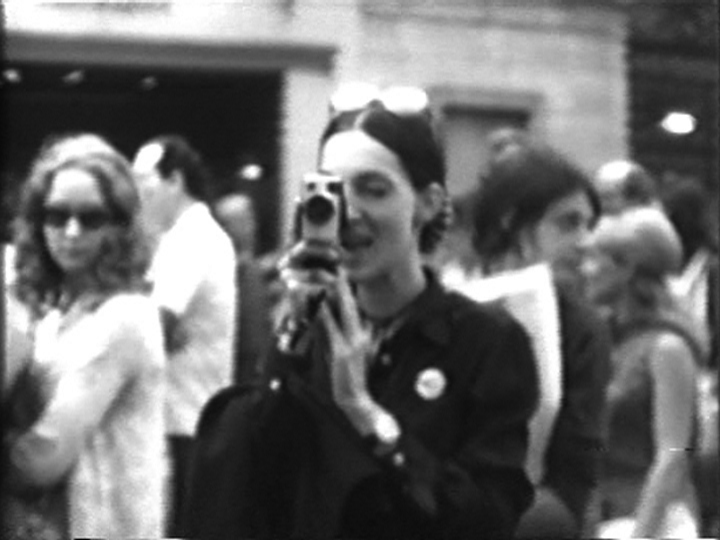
[406,416]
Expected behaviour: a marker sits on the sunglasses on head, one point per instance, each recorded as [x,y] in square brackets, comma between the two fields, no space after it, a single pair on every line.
[400,100]
[90,218]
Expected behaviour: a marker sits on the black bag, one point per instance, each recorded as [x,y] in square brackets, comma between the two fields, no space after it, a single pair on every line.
[36,516]
[217,504]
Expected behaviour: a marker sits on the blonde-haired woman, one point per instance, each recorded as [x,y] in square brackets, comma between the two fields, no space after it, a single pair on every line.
[646,487]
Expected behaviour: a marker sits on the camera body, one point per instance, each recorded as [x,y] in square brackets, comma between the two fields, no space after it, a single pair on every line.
[309,265]
[322,209]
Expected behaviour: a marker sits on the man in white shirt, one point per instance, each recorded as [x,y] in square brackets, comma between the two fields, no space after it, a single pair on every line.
[193,280]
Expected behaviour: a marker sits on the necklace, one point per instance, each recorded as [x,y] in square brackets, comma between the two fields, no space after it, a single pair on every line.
[382,331]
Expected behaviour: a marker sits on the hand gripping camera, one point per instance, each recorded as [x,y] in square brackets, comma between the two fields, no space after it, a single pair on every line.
[319,222]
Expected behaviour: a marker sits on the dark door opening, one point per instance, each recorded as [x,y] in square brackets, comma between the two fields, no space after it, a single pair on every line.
[232,118]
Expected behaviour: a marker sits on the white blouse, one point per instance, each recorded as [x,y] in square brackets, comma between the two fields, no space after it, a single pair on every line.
[103,426]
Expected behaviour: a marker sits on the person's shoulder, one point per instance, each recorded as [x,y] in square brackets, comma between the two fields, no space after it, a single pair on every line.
[132,320]
[671,355]
[669,342]
[135,309]
[674,332]
[130,300]
[484,316]
[204,231]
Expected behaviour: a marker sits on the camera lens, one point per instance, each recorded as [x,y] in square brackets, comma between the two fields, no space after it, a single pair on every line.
[319,210]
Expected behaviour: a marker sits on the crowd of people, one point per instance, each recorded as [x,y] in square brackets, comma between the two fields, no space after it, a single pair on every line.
[160,382]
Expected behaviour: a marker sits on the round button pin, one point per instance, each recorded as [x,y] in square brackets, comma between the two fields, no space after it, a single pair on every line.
[430,384]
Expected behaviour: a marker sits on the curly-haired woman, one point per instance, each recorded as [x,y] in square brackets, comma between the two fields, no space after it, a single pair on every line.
[98,348]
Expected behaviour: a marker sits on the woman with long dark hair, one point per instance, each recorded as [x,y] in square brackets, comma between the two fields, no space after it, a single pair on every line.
[535,208]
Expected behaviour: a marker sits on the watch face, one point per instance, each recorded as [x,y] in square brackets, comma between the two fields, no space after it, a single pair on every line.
[387,430]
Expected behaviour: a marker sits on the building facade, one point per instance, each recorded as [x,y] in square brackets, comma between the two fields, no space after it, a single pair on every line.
[250,80]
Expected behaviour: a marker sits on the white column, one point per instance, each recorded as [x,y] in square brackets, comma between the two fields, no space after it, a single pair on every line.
[305,98]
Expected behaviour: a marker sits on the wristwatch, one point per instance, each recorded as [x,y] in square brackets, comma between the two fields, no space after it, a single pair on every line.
[385,435]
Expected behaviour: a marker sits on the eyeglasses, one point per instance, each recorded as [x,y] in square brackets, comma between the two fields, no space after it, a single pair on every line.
[400,100]
[90,218]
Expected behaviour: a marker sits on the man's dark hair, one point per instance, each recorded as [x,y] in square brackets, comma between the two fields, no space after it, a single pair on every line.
[179,155]
[639,186]
[688,205]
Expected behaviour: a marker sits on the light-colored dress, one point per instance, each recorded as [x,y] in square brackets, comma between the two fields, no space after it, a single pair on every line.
[103,428]
[631,445]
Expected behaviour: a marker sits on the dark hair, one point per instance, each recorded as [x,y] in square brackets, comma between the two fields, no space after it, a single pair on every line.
[179,155]
[688,205]
[124,258]
[639,186]
[506,138]
[636,185]
[412,138]
[522,182]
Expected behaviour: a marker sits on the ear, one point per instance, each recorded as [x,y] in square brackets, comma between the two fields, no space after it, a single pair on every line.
[526,245]
[429,202]
[176,180]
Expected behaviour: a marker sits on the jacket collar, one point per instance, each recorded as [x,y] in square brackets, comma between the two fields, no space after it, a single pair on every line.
[428,315]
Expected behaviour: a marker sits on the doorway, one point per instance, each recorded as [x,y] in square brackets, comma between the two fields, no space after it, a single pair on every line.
[231,118]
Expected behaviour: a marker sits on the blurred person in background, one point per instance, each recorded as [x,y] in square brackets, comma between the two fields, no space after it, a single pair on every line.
[625,184]
[192,275]
[15,316]
[506,138]
[535,207]
[405,415]
[236,214]
[456,258]
[646,486]
[85,443]
[689,206]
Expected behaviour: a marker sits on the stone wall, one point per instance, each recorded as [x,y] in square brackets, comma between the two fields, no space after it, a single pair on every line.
[563,63]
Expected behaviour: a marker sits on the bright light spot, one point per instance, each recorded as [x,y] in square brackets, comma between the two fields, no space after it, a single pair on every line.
[74,77]
[679,123]
[12,76]
[148,83]
[615,169]
[353,96]
[251,172]
[148,157]
[407,99]
[397,99]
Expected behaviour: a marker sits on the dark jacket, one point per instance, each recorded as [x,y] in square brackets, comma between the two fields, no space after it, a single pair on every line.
[576,448]
[280,460]
[253,327]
